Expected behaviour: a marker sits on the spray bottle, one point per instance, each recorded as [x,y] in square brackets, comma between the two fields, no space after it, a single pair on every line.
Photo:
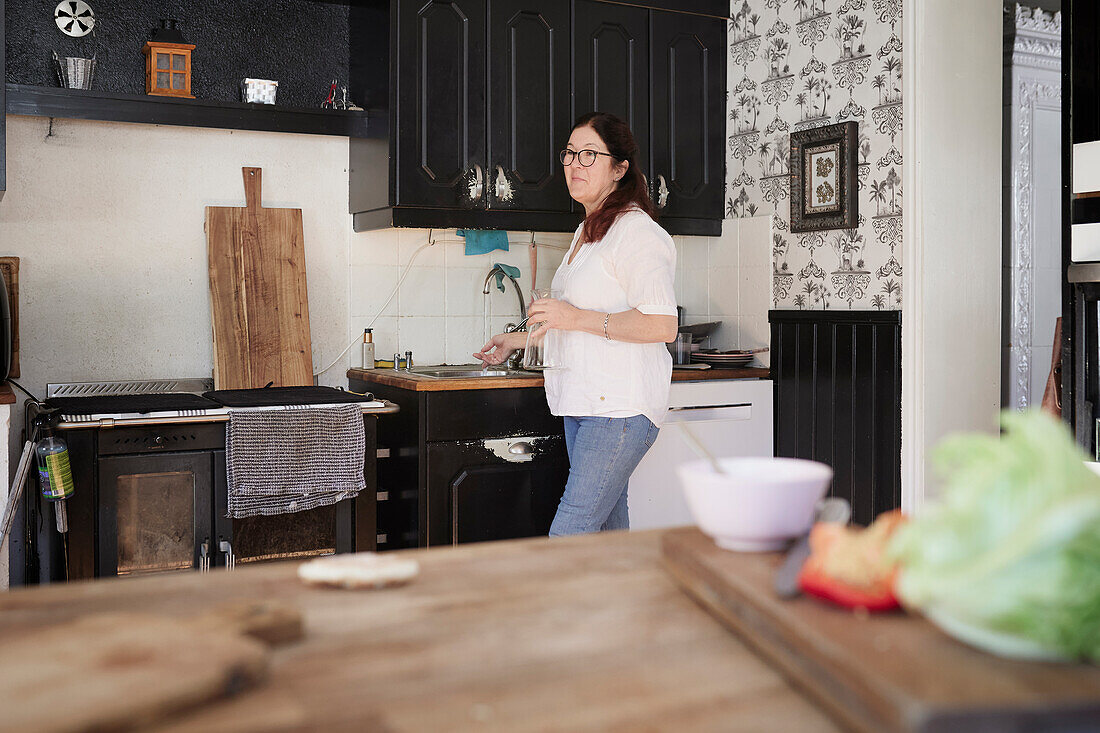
[55,475]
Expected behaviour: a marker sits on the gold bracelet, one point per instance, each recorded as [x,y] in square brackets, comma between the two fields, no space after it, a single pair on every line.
[605,319]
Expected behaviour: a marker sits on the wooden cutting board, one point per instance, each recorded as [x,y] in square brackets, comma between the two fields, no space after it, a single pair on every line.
[112,671]
[258,298]
[879,673]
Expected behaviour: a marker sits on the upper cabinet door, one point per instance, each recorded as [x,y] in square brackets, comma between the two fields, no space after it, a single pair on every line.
[529,115]
[440,112]
[611,57]
[689,87]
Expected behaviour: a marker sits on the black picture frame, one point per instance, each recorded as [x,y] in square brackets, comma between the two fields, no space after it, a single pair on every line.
[824,144]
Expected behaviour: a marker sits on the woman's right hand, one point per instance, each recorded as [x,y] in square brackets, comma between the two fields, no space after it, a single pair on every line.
[500,347]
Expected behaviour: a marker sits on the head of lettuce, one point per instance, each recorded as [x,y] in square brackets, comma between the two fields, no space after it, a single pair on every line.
[1008,560]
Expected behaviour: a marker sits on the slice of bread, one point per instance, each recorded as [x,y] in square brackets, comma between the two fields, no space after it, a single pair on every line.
[358,570]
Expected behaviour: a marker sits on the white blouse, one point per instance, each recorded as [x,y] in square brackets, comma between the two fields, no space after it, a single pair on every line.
[633,266]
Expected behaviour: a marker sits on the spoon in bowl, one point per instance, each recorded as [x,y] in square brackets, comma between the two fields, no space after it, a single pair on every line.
[699,448]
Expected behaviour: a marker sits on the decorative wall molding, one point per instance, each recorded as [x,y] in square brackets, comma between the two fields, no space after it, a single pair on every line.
[1033,37]
[1035,84]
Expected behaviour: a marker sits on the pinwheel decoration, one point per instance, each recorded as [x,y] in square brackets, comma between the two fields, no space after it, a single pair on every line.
[74,18]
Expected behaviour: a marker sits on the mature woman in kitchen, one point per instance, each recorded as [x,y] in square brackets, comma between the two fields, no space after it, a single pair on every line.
[616,311]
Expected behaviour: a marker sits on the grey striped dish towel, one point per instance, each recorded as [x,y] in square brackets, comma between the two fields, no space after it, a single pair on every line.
[282,460]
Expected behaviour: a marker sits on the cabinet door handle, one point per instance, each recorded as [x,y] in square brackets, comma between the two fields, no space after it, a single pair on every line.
[230,558]
[204,557]
[501,186]
[478,186]
[662,192]
[159,439]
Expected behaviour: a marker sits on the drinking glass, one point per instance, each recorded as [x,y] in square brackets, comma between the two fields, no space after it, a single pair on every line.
[543,349]
[681,349]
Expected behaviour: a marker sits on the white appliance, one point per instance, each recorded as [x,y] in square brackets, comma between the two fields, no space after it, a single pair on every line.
[730,417]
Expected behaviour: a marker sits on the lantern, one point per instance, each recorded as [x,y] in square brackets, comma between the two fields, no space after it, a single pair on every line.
[168,62]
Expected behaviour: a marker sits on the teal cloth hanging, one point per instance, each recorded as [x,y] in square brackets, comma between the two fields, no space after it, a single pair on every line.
[512,272]
[480,241]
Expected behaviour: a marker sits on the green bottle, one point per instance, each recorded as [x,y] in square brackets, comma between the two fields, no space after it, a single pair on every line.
[54,472]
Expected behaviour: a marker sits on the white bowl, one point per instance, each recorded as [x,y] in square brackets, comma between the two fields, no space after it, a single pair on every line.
[759,504]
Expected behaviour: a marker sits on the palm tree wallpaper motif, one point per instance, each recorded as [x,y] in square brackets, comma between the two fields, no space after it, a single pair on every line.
[798,64]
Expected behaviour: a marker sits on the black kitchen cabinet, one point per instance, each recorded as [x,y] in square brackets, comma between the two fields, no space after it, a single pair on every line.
[688,122]
[480,110]
[611,66]
[529,111]
[665,74]
[494,489]
[484,92]
[440,112]
[466,465]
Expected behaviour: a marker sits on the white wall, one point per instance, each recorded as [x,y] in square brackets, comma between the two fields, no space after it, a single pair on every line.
[107,220]
[951,310]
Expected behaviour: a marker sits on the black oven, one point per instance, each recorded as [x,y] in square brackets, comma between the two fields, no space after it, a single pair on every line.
[153,499]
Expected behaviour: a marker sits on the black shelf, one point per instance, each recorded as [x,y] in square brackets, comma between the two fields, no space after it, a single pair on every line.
[23,99]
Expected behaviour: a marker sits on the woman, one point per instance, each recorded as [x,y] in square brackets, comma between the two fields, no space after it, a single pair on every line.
[617,310]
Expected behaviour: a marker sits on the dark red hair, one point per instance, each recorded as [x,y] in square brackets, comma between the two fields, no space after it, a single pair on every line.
[631,191]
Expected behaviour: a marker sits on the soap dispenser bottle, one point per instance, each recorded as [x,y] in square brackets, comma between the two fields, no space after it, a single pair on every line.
[368,348]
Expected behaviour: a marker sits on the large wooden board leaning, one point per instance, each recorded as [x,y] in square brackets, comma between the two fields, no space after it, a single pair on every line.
[258,298]
[892,672]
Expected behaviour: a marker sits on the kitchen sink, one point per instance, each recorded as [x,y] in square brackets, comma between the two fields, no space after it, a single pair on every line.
[467,371]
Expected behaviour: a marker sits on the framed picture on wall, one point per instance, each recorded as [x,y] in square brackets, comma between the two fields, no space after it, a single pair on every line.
[823,178]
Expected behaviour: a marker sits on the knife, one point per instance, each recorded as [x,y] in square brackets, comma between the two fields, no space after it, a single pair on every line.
[834,509]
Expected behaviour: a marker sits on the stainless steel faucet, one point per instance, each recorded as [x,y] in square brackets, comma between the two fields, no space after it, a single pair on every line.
[515,359]
[519,291]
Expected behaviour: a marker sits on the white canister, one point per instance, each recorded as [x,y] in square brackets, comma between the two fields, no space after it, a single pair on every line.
[260,91]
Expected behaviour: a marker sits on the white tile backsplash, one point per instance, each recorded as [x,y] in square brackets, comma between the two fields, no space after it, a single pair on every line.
[464,296]
[464,337]
[423,292]
[725,286]
[440,315]
[725,250]
[425,336]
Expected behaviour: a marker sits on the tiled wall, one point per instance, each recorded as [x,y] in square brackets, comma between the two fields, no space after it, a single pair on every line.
[440,313]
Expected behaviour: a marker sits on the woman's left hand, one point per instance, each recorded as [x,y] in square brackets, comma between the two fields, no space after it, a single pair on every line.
[552,313]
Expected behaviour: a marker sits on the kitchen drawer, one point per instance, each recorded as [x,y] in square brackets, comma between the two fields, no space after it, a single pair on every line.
[488,413]
[163,438]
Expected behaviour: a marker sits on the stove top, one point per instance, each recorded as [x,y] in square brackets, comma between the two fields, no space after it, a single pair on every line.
[146,402]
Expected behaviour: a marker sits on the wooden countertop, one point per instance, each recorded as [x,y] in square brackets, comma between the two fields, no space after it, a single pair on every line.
[418,383]
[578,633]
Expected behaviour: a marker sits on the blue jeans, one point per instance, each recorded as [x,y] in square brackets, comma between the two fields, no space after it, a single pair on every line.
[603,452]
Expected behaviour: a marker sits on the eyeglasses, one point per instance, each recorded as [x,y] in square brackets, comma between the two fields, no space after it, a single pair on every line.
[584,157]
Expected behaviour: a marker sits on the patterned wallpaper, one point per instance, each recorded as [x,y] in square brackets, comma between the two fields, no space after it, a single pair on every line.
[796,64]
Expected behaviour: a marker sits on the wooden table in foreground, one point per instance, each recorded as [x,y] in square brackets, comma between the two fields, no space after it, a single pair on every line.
[580,633]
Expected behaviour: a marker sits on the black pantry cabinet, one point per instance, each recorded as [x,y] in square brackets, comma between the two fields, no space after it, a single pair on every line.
[483,93]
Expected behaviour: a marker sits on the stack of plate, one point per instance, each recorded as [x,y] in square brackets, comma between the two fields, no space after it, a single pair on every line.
[727,359]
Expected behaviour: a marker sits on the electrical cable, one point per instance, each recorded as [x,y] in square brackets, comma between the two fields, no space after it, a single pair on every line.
[24,391]
[408,267]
